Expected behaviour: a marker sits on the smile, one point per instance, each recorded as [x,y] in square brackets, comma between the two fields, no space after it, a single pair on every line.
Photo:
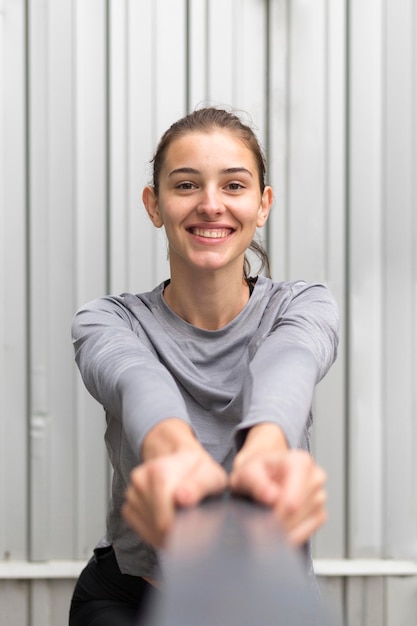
[211,233]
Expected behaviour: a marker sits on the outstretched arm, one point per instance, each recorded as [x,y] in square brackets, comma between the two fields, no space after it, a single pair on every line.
[121,371]
[287,480]
[294,356]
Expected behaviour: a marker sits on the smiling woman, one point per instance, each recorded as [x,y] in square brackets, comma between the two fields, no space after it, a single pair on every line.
[209,199]
[207,380]
[206,121]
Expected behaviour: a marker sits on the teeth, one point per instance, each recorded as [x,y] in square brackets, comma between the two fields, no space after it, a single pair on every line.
[210,233]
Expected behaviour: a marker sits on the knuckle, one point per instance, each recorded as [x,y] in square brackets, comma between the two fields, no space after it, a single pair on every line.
[135,474]
[321,475]
[323,517]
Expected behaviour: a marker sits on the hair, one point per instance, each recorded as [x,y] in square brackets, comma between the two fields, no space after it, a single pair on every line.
[206,120]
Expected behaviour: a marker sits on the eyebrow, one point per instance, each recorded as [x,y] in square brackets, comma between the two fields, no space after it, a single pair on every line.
[229,170]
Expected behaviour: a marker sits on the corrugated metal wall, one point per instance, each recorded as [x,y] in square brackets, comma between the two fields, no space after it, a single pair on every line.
[86,89]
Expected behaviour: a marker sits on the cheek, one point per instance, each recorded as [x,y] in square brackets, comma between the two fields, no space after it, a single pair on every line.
[250,215]
[172,210]
[171,219]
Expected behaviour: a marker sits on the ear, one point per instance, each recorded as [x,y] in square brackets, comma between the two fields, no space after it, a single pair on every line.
[150,201]
[265,207]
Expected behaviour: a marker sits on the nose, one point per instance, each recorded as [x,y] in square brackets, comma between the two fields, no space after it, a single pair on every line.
[210,202]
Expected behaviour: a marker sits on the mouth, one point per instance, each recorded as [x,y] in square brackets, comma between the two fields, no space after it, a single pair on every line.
[211,233]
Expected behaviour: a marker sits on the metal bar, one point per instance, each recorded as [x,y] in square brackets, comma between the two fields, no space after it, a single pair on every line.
[227,564]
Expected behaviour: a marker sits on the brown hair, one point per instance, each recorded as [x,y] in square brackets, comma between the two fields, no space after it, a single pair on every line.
[206,120]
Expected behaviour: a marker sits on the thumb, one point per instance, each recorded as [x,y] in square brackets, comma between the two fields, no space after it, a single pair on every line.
[255,480]
[204,481]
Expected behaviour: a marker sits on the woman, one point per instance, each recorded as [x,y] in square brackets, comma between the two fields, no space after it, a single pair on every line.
[207,381]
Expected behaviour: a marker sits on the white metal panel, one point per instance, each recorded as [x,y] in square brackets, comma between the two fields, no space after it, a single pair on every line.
[168,88]
[50,602]
[13,339]
[333,591]
[14,604]
[141,138]
[117,50]
[90,148]
[365,602]
[401,601]
[169,48]
[90,257]
[414,279]
[137,248]
[307,233]
[59,233]
[227,57]
[278,136]
[197,87]
[53,466]
[221,37]
[365,284]
[330,402]
[40,410]
[306,245]
[35,603]
[400,288]
[250,71]
[133,238]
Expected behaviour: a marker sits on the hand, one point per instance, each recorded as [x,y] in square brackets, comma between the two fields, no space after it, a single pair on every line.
[166,481]
[287,480]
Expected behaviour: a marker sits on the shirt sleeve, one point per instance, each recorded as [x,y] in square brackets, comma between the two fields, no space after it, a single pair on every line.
[121,372]
[291,359]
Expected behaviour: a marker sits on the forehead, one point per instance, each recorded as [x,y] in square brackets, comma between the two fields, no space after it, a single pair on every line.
[219,147]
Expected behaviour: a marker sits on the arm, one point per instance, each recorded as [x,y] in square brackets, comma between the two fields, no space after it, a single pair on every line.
[295,355]
[121,371]
[127,378]
[297,352]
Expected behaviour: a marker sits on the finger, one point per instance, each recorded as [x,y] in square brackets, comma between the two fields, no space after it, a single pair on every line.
[310,506]
[204,479]
[255,479]
[149,508]
[305,529]
[301,479]
[158,497]
[133,514]
[300,526]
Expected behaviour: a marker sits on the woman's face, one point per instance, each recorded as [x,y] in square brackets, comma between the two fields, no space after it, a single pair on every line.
[209,201]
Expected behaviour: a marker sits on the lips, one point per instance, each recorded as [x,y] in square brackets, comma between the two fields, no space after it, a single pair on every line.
[211,233]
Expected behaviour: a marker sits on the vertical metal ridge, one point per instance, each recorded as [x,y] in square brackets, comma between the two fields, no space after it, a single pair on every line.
[108,77]
[268,78]
[187,57]
[28,273]
[347,280]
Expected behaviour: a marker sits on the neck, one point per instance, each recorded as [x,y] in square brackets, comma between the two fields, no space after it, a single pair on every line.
[210,301]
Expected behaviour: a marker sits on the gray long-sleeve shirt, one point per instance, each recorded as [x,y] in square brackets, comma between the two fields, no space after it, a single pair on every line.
[144,364]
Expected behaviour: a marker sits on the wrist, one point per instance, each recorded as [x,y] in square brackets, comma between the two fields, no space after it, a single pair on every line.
[167,437]
[262,438]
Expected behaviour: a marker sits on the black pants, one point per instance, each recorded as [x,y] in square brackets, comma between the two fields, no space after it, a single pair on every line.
[103,596]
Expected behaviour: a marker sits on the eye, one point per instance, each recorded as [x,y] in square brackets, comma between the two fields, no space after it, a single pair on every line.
[185,186]
[234,186]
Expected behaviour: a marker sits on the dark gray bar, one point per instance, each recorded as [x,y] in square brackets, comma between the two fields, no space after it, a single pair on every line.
[227,564]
